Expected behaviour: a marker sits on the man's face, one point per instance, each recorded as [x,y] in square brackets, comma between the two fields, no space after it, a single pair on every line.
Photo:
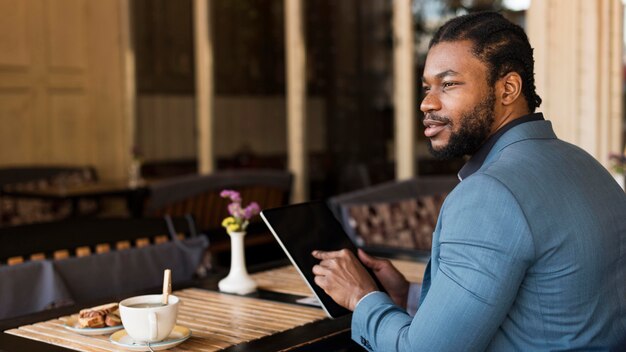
[459,103]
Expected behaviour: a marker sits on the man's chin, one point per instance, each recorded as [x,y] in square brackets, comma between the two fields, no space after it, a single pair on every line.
[441,152]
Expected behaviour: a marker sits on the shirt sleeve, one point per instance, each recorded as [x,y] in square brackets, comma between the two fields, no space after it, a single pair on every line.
[484,249]
[362,298]
[413,298]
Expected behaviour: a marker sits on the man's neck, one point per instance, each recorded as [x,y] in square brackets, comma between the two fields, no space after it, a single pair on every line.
[506,117]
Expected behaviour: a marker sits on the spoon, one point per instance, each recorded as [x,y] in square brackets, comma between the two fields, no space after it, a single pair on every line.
[141,344]
[167,285]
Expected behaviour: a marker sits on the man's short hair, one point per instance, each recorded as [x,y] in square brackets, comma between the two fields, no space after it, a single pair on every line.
[499,43]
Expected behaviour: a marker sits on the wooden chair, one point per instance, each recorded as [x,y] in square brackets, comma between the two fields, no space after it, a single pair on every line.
[199,195]
[394,218]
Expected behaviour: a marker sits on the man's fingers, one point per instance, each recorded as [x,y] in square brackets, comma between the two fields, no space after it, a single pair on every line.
[368,260]
[365,258]
[320,281]
[320,270]
[325,255]
[319,254]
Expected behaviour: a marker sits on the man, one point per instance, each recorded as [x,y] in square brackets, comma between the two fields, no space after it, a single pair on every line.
[529,253]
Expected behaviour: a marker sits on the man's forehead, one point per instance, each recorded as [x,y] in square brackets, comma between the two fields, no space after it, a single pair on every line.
[451,59]
[443,74]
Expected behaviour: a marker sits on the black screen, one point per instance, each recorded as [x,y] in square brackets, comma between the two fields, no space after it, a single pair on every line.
[302,228]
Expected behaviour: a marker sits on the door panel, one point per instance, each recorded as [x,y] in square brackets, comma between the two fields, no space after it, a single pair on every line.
[61,84]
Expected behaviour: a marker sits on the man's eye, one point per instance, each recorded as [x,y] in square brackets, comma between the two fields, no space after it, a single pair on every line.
[426,89]
[449,84]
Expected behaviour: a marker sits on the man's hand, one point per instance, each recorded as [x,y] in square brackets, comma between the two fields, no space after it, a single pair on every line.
[392,280]
[342,277]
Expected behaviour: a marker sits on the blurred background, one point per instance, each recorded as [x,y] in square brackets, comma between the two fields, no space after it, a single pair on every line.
[103,83]
[122,121]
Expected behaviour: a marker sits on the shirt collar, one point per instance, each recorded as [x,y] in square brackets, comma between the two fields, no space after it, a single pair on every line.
[477,160]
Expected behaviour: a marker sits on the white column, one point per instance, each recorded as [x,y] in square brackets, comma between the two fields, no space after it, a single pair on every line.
[130,88]
[578,49]
[296,98]
[404,89]
[204,85]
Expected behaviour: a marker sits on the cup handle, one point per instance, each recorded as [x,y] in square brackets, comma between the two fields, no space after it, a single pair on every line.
[152,322]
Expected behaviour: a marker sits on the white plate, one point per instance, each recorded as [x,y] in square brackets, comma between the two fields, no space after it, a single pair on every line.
[72,325]
[178,335]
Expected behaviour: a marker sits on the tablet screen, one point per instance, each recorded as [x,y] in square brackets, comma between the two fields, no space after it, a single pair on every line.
[302,228]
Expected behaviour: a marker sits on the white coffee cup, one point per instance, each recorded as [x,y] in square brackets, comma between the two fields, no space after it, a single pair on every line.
[146,320]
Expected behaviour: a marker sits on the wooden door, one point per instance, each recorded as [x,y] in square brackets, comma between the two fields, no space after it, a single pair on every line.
[62,84]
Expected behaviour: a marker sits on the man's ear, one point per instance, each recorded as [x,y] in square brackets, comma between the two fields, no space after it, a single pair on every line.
[511,85]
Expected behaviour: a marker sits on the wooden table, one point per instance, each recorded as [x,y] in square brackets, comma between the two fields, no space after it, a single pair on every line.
[268,320]
[133,194]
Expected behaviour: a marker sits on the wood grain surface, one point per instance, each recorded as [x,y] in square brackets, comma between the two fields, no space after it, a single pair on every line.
[217,321]
[287,280]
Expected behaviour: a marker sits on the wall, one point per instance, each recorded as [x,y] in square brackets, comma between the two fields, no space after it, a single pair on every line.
[61,84]
[166,125]
[578,54]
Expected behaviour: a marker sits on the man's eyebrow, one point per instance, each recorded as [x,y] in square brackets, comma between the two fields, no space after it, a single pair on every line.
[443,74]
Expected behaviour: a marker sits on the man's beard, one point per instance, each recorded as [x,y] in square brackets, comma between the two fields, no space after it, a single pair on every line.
[474,130]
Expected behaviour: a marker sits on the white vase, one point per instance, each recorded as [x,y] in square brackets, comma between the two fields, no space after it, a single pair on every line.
[134,173]
[238,281]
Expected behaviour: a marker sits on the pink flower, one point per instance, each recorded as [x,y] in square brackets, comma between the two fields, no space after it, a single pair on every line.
[233,195]
[234,209]
[239,216]
[251,210]
[619,158]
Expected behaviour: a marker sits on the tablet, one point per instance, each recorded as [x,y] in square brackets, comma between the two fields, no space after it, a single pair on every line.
[302,228]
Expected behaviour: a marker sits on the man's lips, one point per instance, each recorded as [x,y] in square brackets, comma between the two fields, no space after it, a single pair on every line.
[433,127]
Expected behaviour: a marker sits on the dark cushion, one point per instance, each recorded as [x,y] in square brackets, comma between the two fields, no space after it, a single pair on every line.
[125,272]
[30,287]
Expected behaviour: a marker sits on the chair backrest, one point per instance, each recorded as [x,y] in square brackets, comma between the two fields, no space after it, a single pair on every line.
[83,236]
[199,195]
[397,216]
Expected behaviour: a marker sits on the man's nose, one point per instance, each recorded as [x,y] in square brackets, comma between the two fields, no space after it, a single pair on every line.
[430,103]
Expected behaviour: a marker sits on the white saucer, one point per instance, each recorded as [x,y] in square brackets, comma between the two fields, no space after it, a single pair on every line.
[178,335]
[72,325]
